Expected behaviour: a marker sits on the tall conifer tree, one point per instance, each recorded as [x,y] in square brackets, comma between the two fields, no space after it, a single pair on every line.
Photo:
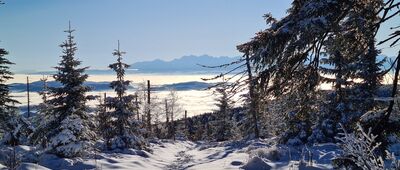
[223,125]
[6,102]
[126,129]
[67,128]
[7,108]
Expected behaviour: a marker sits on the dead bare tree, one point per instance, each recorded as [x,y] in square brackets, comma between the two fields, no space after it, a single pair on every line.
[173,109]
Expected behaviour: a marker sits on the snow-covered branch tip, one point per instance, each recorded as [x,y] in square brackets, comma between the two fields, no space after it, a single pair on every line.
[361,148]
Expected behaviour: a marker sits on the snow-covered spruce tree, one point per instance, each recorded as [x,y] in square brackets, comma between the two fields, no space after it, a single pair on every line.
[362,26]
[301,112]
[364,22]
[286,57]
[121,109]
[6,103]
[245,79]
[14,128]
[8,112]
[385,122]
[43,114]
[190,129]
[371,74]
[290,49]
[350,50]
[223,127]
[7,108]
[208,130]
[199,126]
[105,125]
[67,127]
[337,69]
[44,106]
[275,116]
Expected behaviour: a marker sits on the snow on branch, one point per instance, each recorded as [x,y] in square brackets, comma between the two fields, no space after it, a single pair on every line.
[361,148]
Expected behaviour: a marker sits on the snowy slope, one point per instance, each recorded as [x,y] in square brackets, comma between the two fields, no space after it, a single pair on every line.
[256,154]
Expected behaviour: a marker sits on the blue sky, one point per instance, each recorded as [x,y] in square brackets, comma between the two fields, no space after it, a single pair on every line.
[147,29]
[31,30]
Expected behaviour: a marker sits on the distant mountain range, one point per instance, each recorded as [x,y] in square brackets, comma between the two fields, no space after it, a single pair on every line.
[187,64]
[102,86]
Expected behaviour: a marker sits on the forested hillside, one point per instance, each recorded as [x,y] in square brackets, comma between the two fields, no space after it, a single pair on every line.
[271,110]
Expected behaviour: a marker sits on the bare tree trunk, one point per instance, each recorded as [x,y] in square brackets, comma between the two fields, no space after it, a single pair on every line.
[382,125]
[186,121]
[173,124]
[394,89]
[29,101]
[14,159]
[253,98]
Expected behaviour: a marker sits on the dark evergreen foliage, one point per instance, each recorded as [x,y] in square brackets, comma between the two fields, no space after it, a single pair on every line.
[6,102]
[66,129]
[224,128]
[120,127]
[8,112]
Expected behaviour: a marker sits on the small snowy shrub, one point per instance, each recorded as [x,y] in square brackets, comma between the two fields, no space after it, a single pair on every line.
[21,129]
[395,163]
[294,142]
[67,143]
[256,163]
[299,130]
[13,159]
[54,162]
[360,149]
[323,132]
[273,153]
[121,142]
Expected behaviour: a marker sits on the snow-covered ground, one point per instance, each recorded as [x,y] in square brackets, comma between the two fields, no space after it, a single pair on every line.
[166,154]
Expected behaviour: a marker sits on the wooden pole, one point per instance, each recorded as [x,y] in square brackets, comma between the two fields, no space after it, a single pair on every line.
[166,110]
[105,101]
[173,123]
[186,124]
[168,126]
[29,101]
[148,111]
[137,107]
